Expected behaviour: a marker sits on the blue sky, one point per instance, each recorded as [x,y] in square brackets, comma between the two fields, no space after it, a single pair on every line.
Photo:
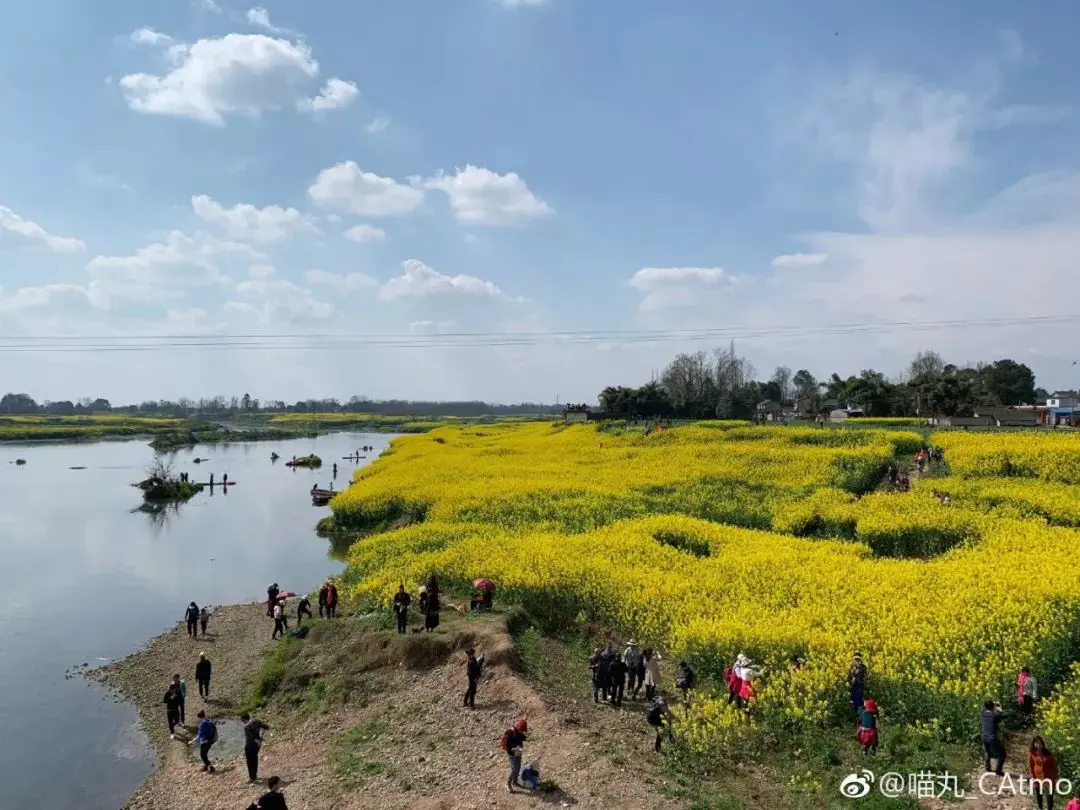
[419,169]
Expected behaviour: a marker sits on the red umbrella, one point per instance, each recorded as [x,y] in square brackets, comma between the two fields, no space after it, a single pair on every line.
[484,584]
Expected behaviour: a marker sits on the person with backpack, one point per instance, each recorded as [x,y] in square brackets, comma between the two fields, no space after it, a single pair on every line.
[402,600]
[659,717]
[206,737]
[280,625]
[990,733]
[272,592]
[684,680]
[180,686]
[322,599]
[616,680]
[635,668]
[173,701]
[204,619]
[202,675]
[513,743]
[192,617]
[473,669]
[253,740]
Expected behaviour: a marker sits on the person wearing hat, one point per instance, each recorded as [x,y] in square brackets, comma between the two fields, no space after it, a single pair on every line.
[635,668]
[513,743]
[281,622]
[745,673]
[868,733]
[857,681]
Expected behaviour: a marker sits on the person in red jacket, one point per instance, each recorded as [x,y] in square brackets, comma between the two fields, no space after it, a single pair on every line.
[1043,768]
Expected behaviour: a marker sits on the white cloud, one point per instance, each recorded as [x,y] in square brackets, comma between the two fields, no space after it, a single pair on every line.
[418,280]
[148,36]
[347,187]
[432,327]
[261,17]
[245,221]
[378,124]
[797,260]
[208,5]
[668,287]
[485,197]
[281,299]
[238,74]
[343,282]
[47,295]
[163,269]
[336,94]
[31,232]
[365,233]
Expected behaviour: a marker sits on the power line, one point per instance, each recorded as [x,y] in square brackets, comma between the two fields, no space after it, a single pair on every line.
[347,341]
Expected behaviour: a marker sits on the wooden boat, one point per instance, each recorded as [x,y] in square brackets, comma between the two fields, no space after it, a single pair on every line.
[321,496]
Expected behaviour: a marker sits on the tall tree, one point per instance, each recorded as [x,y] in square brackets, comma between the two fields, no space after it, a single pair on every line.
[781,378]
[688,383]
[927,364]
[1008,382]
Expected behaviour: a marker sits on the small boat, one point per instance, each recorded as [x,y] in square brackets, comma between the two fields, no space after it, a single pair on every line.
[20,461]
[352,458]
[274,456]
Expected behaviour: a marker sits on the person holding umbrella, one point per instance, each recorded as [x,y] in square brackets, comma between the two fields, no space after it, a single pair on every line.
[482,601]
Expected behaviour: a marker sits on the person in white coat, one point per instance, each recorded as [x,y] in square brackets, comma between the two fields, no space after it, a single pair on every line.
[652,673]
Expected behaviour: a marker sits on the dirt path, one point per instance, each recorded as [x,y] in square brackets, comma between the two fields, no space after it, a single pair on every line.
[402,741]
[982,793]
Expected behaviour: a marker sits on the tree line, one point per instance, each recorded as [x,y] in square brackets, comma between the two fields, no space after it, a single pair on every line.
[721,384]
[220,406]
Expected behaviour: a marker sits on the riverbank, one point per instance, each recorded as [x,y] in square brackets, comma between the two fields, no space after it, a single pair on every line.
[364,717]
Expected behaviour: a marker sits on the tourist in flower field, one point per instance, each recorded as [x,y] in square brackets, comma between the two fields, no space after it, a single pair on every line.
[868,731]
[599,665]
[857,676]
[652,672]
[744,673]
[990,718]
[659,717]
[431,617]
[1043,767]
[422,599]
[684,680]
[513,743]
[635,668]
[402,600]
[1027,692]
[616,680]
[1074,803]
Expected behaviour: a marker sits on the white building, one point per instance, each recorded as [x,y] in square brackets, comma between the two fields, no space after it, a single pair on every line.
[1063,399]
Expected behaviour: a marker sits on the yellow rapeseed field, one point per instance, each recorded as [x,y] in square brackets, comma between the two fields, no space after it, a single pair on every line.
[767,541]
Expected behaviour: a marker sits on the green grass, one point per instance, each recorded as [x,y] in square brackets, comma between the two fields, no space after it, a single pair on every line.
[354,753]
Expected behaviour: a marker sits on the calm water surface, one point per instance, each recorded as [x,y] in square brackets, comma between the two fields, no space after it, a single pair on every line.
[84,579]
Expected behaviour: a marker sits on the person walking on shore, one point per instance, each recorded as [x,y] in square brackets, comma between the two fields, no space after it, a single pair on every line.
[271,598]
[180,686]
[206,737]
[279,621]
[513,743]
[474,668]
[303,609]
[272,800]
[331,599]
[204,618]
[192,617]
[202,675]
[253,740]
[322,599]
[402,600]
[173,701]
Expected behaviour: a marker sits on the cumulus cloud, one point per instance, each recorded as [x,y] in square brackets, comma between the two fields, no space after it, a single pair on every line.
[347,187]
[247,222]
[260,18]
[237,74]
[797,260]
[336,94]
[667,287]
[341,282]
[417,280]
[481,196]
[279,299]
[45,296]
[23,230]
[365,233]
[148,36]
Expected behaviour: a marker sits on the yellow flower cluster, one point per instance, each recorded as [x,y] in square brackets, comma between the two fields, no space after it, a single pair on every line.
[1051,456]
[646,533]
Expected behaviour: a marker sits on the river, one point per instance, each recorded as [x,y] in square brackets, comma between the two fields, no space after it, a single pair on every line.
[84,579]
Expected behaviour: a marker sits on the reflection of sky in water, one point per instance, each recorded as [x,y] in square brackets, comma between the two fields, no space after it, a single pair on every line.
[83,578]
